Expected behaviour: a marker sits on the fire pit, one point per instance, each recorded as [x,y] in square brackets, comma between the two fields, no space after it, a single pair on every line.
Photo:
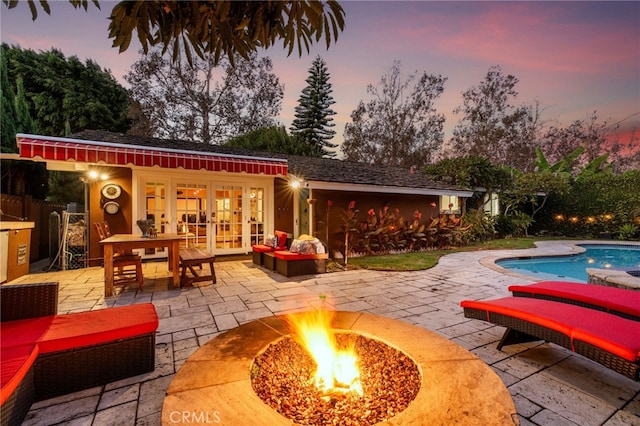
[238,378]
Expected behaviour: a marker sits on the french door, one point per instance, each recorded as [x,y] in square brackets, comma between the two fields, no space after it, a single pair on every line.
[239,217]
[221,217]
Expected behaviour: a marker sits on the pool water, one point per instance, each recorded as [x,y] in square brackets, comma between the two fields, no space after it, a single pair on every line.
[574,267]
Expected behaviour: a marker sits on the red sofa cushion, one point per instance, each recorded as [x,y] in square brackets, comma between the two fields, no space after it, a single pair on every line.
[16,362]
[261,248]
[62,332]
[287,255]
[614,299]
[612,333]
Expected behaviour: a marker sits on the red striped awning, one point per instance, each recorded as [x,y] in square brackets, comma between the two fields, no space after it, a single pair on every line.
[63,149]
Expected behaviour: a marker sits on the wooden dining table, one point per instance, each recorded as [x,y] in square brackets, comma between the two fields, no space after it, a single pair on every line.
[128,242]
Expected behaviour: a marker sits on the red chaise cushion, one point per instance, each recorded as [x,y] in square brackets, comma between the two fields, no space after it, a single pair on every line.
[16,362]
[63,332]
[612,333]
[261,248]
[614,299]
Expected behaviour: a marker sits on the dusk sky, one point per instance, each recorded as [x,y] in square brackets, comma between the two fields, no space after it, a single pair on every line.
[573,57]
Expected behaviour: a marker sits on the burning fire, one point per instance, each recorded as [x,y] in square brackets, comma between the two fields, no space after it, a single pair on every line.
[337,369]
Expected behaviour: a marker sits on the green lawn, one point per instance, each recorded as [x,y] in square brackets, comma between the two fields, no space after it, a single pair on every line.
[428,259]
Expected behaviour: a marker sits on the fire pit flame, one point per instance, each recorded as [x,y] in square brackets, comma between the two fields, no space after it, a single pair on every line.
[337,369]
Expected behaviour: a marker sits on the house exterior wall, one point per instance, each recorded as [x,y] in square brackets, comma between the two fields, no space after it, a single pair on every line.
[120,222]
[333,235]
[283,206]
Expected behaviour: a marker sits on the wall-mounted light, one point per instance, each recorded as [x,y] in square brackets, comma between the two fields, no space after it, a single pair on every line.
[95,175]
[295,182]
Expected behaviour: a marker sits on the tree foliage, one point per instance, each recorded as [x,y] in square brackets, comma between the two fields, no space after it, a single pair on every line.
[45,5]
[271,139]
[400,125]
[215,27]
[8,117]
[64,93]
[18,177]
[314,121]
[205,102]
[492,127]
[224,28]
[470,172]
[594,138]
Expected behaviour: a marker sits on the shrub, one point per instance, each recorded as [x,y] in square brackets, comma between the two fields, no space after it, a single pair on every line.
[628,232]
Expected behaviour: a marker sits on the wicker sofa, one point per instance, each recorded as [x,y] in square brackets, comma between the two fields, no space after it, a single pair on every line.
[46,355]
[589,320]
[259,250]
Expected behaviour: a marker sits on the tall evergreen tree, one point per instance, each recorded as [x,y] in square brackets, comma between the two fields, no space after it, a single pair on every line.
[313,121]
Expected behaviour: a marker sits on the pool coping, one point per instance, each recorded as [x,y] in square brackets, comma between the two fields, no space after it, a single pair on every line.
[558,248]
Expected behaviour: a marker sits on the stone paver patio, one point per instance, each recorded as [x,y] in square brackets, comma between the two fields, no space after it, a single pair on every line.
[549,385]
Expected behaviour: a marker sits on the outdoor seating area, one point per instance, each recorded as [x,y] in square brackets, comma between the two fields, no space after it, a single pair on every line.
[306,256]
[45,354]
[549,384]
[600,323]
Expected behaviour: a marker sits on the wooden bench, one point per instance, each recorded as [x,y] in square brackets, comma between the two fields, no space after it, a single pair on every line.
[608,339]
[191,257]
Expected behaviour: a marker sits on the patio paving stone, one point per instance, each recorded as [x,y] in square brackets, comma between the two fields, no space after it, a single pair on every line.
[549,384]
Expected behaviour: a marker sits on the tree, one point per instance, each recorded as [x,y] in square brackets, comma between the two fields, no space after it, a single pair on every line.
[8,117]
[476,173]
[218,28]
[492,127]
[205,102]
[313,121]
[63,93]
[395,127]
[593,137]
[18,177]
[271,139]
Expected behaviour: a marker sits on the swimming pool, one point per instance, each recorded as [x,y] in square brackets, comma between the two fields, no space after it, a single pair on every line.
[574,267]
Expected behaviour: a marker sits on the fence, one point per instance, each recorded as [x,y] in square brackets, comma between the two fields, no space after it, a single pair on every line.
[30,210]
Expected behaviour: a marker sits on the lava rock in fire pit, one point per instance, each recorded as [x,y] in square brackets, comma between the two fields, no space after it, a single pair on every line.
[282,376]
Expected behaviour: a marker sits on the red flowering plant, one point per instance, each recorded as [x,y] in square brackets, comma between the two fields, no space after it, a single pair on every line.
[350,224]
[371,222]
[417,216]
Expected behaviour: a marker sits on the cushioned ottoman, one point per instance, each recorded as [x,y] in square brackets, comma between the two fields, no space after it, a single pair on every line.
[292,264]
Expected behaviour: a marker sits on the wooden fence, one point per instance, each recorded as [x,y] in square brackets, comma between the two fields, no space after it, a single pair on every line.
[15,207]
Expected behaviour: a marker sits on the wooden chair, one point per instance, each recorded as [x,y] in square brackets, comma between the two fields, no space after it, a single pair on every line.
[127,267]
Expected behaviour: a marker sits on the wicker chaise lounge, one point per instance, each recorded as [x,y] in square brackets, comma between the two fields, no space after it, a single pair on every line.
[617,301]
[607,338]
[46,355]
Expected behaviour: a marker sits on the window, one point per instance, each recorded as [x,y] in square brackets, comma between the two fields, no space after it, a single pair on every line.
[449,203]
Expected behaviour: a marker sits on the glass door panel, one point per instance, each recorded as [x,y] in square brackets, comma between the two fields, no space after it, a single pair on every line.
[155,204]
[256,209]
[191,214]
[228,216]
